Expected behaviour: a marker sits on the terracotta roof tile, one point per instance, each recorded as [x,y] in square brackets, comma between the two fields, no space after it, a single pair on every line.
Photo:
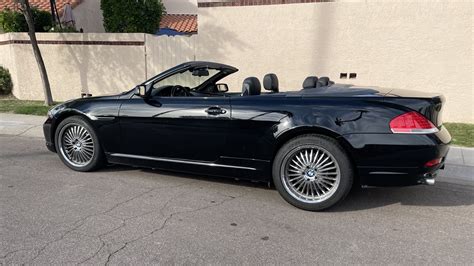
[41,4]
[180,22]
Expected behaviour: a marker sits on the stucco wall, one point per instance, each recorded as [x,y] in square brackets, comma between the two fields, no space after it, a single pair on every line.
[89,17]
[96,63]
[419,45]
[410,45]
[180,6]
[97,69]
[164,52]
[6,58]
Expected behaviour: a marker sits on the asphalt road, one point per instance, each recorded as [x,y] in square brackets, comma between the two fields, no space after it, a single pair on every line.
[52,215]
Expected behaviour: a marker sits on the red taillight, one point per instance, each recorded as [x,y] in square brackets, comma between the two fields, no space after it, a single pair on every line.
[412,123]
[433,162]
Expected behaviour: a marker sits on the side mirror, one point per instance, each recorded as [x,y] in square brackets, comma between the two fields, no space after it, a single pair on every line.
[140,90]
[222,87]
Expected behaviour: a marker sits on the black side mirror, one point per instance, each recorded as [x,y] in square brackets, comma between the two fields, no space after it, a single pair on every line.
[222,87]
[140,90]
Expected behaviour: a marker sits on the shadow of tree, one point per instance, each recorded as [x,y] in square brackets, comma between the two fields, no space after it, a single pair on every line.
[107,69]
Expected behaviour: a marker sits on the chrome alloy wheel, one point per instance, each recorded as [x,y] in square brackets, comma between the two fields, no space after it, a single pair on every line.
[76,145]
[310,174]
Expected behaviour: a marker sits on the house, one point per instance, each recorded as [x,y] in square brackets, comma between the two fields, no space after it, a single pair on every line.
[180,20]
[178,24]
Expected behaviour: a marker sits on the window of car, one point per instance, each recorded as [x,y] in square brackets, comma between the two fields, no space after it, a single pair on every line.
[187,79]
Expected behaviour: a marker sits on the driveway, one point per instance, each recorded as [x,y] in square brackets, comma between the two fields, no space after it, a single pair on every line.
[122,215]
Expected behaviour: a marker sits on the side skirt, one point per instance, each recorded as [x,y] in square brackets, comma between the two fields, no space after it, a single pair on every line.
[190,166]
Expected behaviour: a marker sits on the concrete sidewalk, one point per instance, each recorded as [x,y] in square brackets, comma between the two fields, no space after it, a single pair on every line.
[459,163]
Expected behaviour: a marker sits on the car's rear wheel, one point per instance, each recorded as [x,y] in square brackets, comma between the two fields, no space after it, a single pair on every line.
[312,172]
[78,145]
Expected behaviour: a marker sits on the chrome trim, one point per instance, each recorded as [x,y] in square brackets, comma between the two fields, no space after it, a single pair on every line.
[429,181]
[418,131]
[387,173]
[160,159]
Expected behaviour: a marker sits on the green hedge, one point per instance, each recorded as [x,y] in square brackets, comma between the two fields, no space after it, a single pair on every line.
[132,15]
[6,84]
[14,21]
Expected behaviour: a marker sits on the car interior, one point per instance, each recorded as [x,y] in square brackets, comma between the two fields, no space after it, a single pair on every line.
[202,82]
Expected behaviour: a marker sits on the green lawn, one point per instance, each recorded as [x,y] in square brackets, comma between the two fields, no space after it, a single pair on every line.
[10,105]
[462,133]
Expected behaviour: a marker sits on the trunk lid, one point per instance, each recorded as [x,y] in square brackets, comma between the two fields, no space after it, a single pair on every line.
[428,104]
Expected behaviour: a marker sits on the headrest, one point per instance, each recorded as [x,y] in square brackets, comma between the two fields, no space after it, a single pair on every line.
[310,82]
[251,86]
[324,81]
[270,82]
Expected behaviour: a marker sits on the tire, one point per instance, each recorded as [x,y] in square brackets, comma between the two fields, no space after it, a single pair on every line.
[312,172]
[77,145]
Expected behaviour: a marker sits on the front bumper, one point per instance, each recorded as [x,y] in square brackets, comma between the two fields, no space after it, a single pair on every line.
[48,135]
[398,159]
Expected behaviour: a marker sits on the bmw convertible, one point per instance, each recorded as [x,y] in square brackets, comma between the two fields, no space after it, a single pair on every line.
[314,143]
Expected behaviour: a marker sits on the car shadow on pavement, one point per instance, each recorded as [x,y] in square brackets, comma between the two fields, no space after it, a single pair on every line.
[440,195]
[216,179]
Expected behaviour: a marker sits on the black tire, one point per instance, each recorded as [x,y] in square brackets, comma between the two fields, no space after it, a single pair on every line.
[282,181]
[97,159]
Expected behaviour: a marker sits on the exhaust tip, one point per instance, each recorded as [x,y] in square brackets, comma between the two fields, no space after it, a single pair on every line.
[429,181]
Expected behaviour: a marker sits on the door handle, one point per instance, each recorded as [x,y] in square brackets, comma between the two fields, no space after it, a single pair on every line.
[216,110]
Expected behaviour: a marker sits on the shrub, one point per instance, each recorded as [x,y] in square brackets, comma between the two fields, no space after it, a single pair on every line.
[132,15]
[6,84]
[14,21]
[63,29]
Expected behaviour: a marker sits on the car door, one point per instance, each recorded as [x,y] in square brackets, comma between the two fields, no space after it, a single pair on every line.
[184,128]
[252,131]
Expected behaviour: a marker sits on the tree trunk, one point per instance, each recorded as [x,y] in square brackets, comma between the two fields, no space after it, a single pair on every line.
[26,10]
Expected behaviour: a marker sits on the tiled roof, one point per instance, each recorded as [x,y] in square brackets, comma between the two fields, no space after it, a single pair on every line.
[179,22]
[41,4]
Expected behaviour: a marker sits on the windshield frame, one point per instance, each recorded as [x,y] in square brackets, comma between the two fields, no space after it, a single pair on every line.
[225,70]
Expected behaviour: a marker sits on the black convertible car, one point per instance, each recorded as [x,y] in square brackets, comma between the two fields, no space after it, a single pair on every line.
[314,142]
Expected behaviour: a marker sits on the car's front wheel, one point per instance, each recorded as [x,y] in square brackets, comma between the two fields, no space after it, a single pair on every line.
[312,172]
[78,145]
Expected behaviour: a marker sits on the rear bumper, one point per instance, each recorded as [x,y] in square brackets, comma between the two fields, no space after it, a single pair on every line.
[48,135]
[397,159]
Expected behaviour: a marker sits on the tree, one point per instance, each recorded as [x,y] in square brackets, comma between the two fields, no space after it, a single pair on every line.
[14,21]
[26,10]
[132,15]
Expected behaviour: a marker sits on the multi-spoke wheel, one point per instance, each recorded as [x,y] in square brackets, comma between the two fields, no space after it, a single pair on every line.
[78,145]
[312,172]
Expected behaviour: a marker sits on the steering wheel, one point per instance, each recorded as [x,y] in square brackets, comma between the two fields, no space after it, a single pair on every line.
[178,90]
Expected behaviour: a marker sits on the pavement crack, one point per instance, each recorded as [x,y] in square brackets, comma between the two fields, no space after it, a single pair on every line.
[81,221]
[167,219]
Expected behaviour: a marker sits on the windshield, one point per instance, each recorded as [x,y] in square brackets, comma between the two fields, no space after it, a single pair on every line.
[190,78]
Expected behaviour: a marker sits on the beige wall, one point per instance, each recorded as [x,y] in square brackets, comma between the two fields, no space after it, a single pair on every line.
[180,6]
[419,45]
[409,45]
[6,57]
[89,17]
[91,68]
[72,69]
[165,52]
